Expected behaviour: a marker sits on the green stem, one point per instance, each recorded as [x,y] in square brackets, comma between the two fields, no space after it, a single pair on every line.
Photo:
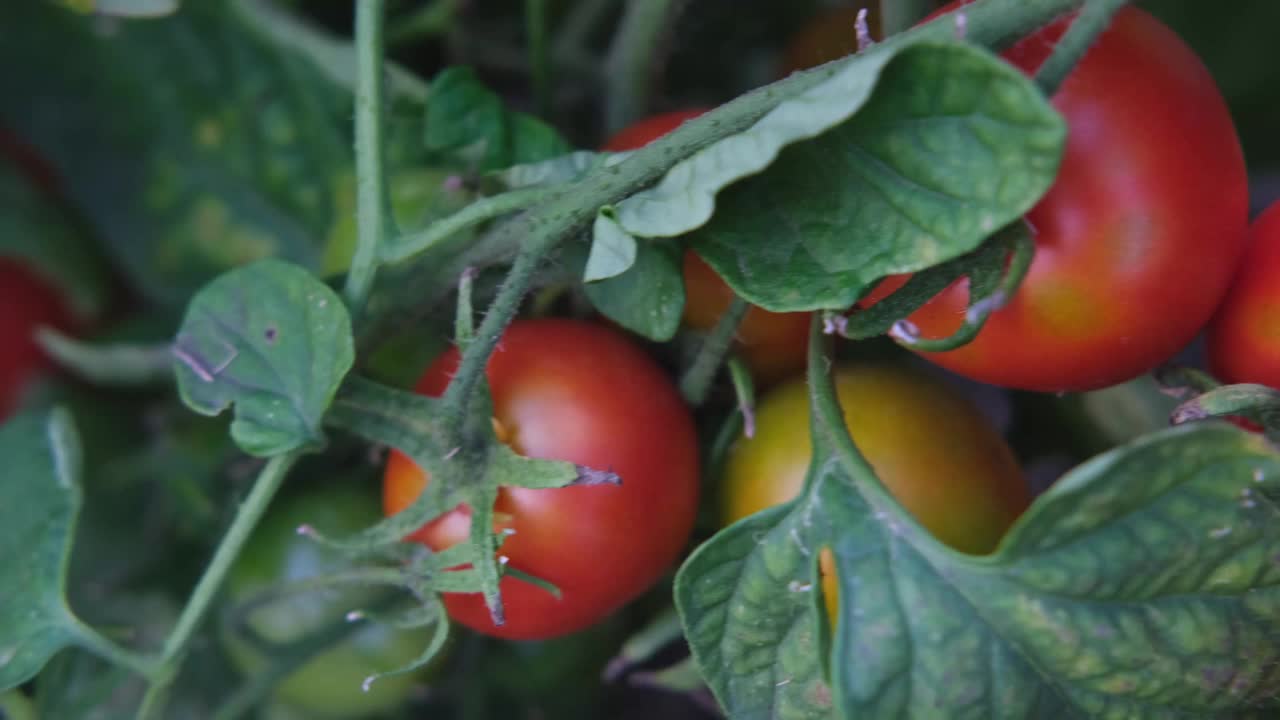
[899,15]
[477,213]
[535,18]
[696,381]
[247,517]
[1092,20]
[145,665]
[581,21]
[372,201]
[631,59]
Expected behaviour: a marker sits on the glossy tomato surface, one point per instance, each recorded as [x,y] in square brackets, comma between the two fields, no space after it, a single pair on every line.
[772,344]
[1138,238]
[329,685]
[932,448]
[576,391]
[1244,338]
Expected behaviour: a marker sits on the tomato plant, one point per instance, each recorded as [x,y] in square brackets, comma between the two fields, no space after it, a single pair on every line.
[772,344]
[573,391]
[328,685]
[1244,338]
[1138,238]
[257,217]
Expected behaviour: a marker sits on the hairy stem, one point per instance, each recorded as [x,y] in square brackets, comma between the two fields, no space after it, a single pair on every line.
[1084,31]
[247,517]
[372,200]
[535,21]
[899,15]
[696,381]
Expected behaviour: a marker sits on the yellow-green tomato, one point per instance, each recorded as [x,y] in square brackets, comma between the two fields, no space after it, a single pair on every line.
[329,686]
[929,445]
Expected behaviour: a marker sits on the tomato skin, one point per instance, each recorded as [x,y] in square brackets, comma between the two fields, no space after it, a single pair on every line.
[772,344]
[932,448]
[828,36]
[1137,239]
[1244,338]
[329,685]
[581,392]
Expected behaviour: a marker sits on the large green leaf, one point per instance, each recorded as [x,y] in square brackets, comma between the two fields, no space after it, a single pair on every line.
[1143,585]
[907,156]
[39,500]
[191,143]
[274,341]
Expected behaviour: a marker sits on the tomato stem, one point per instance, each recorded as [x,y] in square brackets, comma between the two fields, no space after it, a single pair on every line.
[1084,30]
[631,64]
[372,200]
[247,517]
[476,213]
[696,381]
[899,15]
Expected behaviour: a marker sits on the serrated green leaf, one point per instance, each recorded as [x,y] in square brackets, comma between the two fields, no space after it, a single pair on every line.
[39,501]
[533,140]
[613,251]
[1142,585]
[272,340]
[192,144]
[909,155]
[647,299]
[36,231]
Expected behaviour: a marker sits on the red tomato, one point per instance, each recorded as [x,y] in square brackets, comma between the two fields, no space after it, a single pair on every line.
[573,391]
[1244,338]
[1137,239]
[772,344]
[28,302]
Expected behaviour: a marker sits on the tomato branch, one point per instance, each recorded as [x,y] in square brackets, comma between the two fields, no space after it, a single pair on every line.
[535,19]
[247,517]
[899,15]
[696,381]
[1092,20]
[630,65]
[372,200]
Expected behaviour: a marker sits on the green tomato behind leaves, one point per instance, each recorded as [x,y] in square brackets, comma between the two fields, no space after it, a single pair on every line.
[329,686]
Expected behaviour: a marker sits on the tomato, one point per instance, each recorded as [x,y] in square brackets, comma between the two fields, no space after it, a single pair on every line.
[772,344]
[829,35]
[329,685]
[1244,337]
[932,448]
[1136,241]
[581,392]
[29,300]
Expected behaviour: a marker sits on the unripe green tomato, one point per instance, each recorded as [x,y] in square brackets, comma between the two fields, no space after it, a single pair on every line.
[329,686]
[932,448]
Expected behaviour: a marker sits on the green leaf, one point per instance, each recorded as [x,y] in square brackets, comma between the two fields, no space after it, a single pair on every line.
[467,120]
[191,143]
[613,251]
[909,155]
[39,501]
[274,341]
[1258,403]
[647,299]
[123,8]
[1142,585]
[35,230]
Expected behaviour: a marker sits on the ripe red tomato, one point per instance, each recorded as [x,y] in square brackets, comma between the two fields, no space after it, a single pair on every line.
[931,447]
[772,344]
[1137,239]
[573,391]
[1244,338]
